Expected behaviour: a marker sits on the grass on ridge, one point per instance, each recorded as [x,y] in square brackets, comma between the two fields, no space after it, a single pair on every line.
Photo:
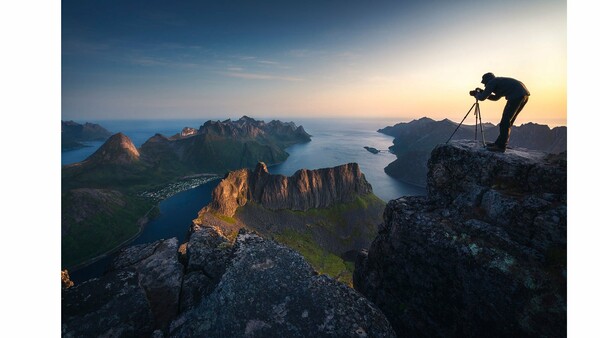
[321,260]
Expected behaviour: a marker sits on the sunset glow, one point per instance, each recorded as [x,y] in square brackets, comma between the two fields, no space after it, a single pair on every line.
[344,59]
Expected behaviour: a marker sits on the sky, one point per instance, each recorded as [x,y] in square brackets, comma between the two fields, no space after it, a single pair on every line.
[286,59]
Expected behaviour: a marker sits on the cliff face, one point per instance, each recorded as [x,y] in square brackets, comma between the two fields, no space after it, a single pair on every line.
[483,255]
[211,287]
[414,141]
[304,190]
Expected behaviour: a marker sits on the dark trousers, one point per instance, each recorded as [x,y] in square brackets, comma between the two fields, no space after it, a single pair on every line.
[511,110]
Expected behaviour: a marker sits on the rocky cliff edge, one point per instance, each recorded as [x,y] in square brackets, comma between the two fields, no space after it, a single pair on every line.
[483,255]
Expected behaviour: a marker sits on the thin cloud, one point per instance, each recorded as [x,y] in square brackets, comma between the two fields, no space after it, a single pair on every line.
[258,76]
[268,62]
[158,62]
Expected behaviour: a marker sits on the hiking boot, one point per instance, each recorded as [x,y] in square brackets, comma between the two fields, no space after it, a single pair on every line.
[495,147]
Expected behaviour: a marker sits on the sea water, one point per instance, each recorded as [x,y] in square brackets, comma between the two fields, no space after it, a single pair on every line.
[333,142]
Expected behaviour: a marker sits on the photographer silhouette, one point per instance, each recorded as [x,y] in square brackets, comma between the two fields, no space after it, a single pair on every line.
[516,95]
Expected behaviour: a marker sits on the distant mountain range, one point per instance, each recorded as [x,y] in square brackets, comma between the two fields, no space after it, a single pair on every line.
[216,147]
[74,134]
[414,141]
[118,168]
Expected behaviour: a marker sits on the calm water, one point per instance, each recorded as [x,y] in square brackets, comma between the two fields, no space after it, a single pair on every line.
[334,142]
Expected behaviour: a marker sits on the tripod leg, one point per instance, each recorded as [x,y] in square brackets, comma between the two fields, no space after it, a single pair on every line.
[461,122]
[480,125]
[476,109]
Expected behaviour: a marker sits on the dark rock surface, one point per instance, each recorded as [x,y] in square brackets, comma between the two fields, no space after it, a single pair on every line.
[254,288]
[112,306]
[270,290]
[414,141]
[304,190]
[140,294]
[483,255]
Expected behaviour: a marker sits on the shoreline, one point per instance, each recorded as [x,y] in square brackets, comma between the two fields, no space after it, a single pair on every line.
[143,221]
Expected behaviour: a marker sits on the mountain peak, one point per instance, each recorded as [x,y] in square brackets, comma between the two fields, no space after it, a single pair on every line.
[118,149]
[261,167]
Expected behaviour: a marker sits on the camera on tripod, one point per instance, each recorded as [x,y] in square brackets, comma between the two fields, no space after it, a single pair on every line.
[475,91]
[477,117]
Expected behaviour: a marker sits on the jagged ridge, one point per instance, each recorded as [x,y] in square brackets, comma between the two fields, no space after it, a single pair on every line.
[304,190]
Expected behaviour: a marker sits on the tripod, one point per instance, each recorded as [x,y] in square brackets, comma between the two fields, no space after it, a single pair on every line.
[477,116]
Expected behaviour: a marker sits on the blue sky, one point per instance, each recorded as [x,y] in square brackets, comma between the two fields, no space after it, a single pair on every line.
[400,59]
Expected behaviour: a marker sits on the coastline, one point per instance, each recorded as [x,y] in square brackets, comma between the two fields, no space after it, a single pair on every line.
[142,221]
[167,192]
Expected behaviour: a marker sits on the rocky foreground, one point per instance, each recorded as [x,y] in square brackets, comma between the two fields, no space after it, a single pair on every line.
[483,255]
[211,287]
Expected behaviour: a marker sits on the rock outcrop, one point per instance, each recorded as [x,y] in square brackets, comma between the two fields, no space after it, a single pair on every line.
[211,287]
[270,290]
[65,279]
[414,141]
[483,255]
[187,131]
[304,190]
[139,295]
